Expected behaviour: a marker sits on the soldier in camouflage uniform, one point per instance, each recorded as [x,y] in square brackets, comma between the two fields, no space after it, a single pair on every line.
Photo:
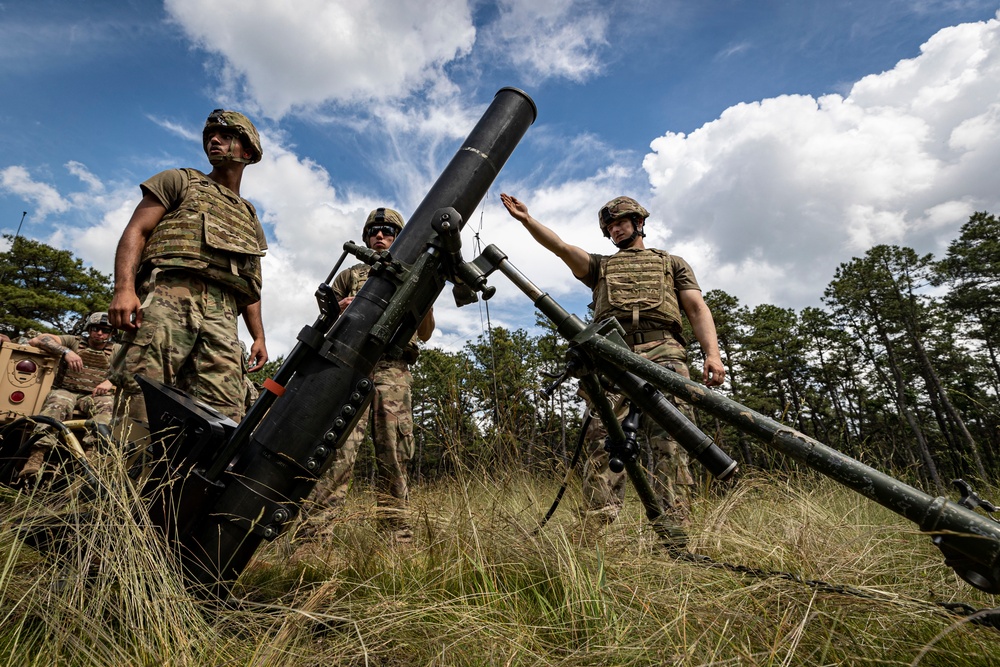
[646,290]
[391,410]
[187,265]
[81,384]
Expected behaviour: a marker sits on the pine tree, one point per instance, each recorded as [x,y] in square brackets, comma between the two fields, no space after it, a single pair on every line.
[47,290]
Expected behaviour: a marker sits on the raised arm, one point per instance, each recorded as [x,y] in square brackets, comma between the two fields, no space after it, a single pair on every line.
[124,312]
[576,258]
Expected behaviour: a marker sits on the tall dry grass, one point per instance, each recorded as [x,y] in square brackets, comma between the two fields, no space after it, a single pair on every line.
[478,586]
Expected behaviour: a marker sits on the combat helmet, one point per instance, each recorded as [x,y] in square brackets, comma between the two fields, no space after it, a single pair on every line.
[98,319]
[233,120]
[619,207]
[383,216]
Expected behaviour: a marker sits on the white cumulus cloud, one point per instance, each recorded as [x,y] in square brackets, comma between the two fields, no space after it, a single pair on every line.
[801,184]
[552,39]
[308,52]
[16,180]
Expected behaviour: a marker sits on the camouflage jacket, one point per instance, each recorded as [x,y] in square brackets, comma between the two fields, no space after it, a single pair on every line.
[95,365]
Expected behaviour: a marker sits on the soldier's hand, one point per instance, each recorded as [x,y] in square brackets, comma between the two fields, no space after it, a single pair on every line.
[258,356]
[104,388]
[74,360]
[125,311]
[517,209]
[714,373]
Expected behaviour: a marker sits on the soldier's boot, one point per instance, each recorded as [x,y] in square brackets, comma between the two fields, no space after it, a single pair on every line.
[677,505]
[672,533]
[316,526]
[33,466]
[673,538]
[593,521]
[394,521]
[604,516]
[671,526]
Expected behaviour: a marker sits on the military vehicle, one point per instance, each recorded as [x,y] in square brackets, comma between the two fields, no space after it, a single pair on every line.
[26,376]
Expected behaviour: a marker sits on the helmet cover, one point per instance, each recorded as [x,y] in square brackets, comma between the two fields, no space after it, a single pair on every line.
[383,216]
[221,119]
[619,207]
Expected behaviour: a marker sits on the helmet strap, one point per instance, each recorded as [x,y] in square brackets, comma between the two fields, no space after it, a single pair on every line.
[230,156]
[625,243]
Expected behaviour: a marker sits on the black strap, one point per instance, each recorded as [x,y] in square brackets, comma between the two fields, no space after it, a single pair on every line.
[640,337]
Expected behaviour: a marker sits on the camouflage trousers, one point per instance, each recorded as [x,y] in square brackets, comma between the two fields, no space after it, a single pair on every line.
[604,491]
[61,404]
[188,339]
[391,414]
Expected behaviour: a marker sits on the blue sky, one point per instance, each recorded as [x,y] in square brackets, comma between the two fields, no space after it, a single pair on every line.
[771,140]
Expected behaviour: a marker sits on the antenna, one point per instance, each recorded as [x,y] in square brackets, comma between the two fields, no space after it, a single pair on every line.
[18,232]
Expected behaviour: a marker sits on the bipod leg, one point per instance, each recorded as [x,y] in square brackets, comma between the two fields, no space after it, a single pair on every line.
[672,536]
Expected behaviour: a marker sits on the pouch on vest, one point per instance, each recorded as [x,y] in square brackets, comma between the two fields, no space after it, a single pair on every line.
[635,282]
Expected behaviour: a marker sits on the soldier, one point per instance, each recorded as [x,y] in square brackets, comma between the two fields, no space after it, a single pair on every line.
[81,384]
[392,413]
[187,264]
[646,290]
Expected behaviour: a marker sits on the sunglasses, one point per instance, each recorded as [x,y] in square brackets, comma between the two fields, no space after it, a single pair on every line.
[386,230]
[104,330]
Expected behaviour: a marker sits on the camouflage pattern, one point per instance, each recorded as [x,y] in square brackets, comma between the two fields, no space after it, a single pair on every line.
[95,368]
[382,216]
[73,391]
[619,207]
[251,393]
[63,405]
[188,339]
[214,231]
[637,284]
[221,119]
[604,490]
[391,415]
[251,390]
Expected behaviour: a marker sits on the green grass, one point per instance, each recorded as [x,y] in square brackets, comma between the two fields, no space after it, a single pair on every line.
[478,587]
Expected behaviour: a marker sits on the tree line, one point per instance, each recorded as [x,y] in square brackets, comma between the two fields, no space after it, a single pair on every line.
[899,367]
[47,290]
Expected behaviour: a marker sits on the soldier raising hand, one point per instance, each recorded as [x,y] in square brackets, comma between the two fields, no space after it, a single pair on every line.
[646,290]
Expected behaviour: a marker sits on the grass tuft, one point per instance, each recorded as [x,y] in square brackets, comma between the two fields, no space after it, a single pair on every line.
[479,585]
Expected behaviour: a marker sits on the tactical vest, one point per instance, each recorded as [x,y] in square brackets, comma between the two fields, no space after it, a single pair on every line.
[95,369]
[213,231]
[638,287]
[359,274]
